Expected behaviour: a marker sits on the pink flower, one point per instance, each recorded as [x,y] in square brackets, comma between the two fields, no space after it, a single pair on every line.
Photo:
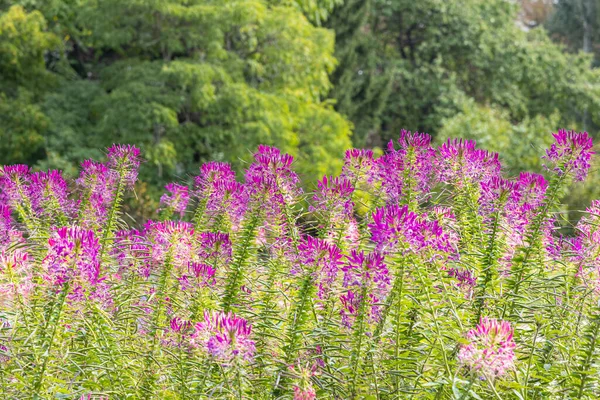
[49,193]
[571,153]
[72,253]
[323,259]
[362,169]
[304,394]
[97,184]
[13,181]
[177,199]
[225,337]
[490,350]
[364,273]
[125,159]
[408,170]
[218,192]
[171,241]
[396,229]
[459,160]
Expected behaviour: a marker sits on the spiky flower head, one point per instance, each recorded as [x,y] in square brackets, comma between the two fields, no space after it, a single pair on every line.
[396,229]
[459,161]
[72,253]
[215,247]
[334,198]
[177,199]
[322,260]
[364,274]
[125,160]
[217,189]
[13,182]
[212,172]
[497,194]
[570,153]
[97,184]
[271,174]
[490,350]
[408,170]
[171,241]
[225,336]
[49,193]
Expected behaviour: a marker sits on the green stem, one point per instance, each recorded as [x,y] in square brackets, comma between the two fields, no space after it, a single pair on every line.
[47,345]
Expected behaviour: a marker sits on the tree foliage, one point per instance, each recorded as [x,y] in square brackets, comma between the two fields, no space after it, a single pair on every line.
[186,80]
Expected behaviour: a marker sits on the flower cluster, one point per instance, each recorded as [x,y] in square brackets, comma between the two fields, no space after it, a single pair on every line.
[219,194]
[409,170]
[96,181]
[571,153]
[72,252]
[460,161]
[322,260]
[48,192]
[124,160]
[490,351]
[225,337]
[395,229]
[177,199]
[364,274]
[372,287]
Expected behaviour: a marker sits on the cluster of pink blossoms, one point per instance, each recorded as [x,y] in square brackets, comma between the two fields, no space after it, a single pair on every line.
[364,274]
[322,260]
[490,351]
[571,153]
[177,199]
[225,337]
[395,229]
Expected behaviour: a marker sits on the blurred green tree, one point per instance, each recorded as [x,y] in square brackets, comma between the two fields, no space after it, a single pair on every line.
[441,52]
[360,89]
[188,81]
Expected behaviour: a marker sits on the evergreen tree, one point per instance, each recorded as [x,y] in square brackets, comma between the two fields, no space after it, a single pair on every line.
[360,85]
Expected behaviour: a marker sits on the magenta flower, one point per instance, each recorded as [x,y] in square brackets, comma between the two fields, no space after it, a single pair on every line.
[271,175]
[16,281]
[497,194]
[171,241]
[465,280]
[177,199]
[8,233]
[217,189]
[72,253]
[334,198]
[396,229]
[97,185]
[360,167]
[322,260]
[571,153]
[215,247]
[210,173]
[585,247]
[49,193]
[13,181]
[225,337]
[408,169]
[125,160]
[307,393]
[204,273]
[459,160]
[490,350]
[364,273]
[180,325]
